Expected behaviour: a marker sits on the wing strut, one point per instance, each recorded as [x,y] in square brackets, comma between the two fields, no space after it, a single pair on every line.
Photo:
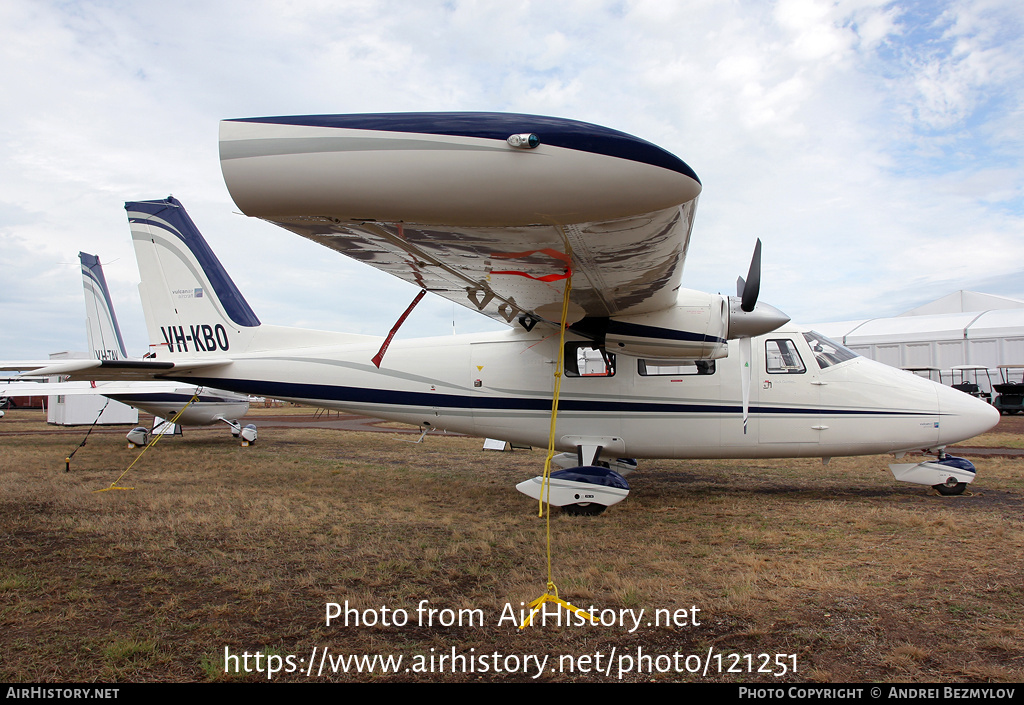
[394,329]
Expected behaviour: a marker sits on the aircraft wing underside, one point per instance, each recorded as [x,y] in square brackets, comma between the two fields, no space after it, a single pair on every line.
[444,202]
[505,272]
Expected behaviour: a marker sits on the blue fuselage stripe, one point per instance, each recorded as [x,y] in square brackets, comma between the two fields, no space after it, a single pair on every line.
[360,395]
[599,328]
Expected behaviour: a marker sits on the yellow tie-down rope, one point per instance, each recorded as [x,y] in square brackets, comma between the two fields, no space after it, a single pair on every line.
[551,593]
[157,437]
[552,596]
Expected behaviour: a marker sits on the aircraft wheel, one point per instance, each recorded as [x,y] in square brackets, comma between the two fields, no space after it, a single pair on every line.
[949,489]
[584,509]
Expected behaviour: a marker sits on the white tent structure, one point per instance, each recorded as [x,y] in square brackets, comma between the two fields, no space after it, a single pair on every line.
[963,328]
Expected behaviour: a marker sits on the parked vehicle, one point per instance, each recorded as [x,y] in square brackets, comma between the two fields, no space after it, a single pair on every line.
[966,378]
[931,373]
[1010,390]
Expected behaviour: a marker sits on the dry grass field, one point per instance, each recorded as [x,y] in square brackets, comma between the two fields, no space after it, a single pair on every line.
[839,569]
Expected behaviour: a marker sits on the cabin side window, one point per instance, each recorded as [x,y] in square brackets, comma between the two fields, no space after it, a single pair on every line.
[585,360]
[674,368]
[782,358]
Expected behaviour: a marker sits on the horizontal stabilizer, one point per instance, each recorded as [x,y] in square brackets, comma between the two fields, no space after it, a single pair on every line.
[111,369]
[127,387]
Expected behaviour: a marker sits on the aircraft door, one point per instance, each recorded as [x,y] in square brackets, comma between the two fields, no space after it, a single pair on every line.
[788,391]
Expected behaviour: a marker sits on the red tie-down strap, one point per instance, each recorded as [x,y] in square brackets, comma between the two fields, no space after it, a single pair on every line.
[394,329]
[567,272]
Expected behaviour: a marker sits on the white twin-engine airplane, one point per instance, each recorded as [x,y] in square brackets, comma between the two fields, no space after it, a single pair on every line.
[499,212]
[164,400]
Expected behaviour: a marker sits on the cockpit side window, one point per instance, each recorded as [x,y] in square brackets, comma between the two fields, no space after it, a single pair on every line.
[827,352]
[782,358]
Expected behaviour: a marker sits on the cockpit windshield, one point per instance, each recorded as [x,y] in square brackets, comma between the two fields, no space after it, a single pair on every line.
[826,351]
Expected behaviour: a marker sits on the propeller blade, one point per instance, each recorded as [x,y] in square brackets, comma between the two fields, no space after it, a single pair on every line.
[745,378]
[752,287]
[740,283]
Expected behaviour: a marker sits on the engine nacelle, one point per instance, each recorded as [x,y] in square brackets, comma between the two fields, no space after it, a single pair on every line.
[694,329]
[698,327]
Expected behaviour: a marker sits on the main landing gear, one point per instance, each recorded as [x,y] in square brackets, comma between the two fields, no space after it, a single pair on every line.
[247,433]
[953,485]
[950,487]
[139,436]
[582,489]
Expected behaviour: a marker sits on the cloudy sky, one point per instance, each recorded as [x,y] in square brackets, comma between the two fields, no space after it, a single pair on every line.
[875,147]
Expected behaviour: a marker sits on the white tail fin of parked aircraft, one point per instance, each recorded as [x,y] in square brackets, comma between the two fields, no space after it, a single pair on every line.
[101,327]
[165,400]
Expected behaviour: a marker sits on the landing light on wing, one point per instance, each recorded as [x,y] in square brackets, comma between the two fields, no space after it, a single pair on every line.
[524,141]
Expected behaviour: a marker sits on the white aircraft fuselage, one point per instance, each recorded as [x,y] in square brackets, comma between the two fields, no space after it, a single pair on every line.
[500,385]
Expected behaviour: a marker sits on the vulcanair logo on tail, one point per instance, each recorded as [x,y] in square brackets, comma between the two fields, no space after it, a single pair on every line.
[191,304]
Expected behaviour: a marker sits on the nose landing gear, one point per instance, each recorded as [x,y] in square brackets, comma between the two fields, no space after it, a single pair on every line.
[948,475]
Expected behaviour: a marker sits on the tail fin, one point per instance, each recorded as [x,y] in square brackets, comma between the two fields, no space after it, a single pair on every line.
[191,305]
[104,335]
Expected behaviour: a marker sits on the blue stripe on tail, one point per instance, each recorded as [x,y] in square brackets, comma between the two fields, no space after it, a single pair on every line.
[170,210]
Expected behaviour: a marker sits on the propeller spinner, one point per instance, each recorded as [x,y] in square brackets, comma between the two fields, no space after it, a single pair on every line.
[747,319]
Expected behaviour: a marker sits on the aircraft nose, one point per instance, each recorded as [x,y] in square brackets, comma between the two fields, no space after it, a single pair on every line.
[963,416]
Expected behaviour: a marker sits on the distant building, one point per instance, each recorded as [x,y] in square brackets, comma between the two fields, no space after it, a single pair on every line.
[962,328]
